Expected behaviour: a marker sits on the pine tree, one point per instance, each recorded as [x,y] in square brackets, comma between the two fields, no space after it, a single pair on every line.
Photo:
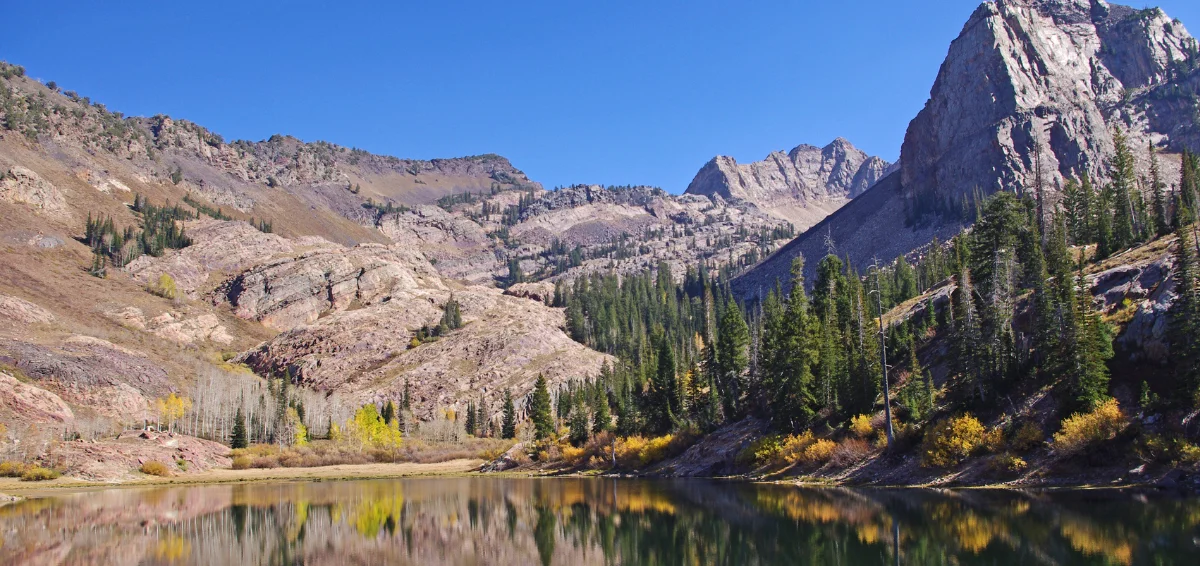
[663,406]
[579,423]
[389,412]
[282,395]
[406,400]
[469,425]
[601,417]
[540,412]
[1122,178]
[733,342]
[481,420]
[1078,204]
[1088,375]
[509,427]
[1185,321]
[238,438]
[1162,225]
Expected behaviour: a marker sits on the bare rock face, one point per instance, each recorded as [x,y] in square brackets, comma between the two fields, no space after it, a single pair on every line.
[1149,288]
[506,343]
[112,381]
[462,248]
[119,459]
[24,186]
[185,330]
[802,186]
[32,403]
[291,292]
[541,291]
[220,248]
[1054,78]
[1051,76]
[20,311]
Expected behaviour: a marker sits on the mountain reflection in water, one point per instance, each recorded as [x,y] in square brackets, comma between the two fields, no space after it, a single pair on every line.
[577,522]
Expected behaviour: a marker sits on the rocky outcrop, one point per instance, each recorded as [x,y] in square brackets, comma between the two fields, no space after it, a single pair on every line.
[221,248]
[802,186]
[30,403]
[506,343]
[291,292]
[461,247]
[111,381]
[20,311]
[22,185]
[179,328]
[1147,288]
[119,459]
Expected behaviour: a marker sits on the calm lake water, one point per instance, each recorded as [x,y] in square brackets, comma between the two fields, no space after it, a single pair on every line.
[576,522]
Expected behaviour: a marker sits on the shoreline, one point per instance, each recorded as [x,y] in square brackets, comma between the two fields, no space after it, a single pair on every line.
[13,490]
[220,476]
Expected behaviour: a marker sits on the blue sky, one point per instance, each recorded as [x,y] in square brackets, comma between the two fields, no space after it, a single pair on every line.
[572,92]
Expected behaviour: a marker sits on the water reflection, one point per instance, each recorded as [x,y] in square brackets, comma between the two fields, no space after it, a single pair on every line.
[593,521]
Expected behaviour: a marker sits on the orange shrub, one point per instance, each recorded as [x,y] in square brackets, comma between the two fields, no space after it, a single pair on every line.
[156,468]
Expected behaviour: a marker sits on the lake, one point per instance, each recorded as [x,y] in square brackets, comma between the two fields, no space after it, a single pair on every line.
[576,522]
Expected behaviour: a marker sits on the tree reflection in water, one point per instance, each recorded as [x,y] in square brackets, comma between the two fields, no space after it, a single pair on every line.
[578,522]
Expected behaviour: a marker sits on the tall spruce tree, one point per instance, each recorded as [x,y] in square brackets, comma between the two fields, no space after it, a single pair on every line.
[1162,223]
[1088,375]
[663,407]
[238,438]
[540,410]
[1185,322]
[1122,185]
[733,343]
[508,428]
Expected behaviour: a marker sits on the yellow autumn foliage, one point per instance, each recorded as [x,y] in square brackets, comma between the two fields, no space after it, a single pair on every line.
[951,441]
[1082,430]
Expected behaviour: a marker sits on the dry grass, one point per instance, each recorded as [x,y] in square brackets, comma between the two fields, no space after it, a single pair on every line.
[219,476]
[850,451]
[321,453]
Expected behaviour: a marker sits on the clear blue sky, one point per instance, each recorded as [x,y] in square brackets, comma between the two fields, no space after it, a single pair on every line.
[596,92]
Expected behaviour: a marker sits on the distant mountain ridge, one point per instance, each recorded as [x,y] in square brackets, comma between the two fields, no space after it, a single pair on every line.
[802,186]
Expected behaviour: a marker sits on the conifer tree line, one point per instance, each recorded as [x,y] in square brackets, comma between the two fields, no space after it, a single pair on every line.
[1020,315]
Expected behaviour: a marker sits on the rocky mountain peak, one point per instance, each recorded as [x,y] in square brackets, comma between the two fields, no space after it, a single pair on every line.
[1026,83]
[1049,77]
[801,186]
